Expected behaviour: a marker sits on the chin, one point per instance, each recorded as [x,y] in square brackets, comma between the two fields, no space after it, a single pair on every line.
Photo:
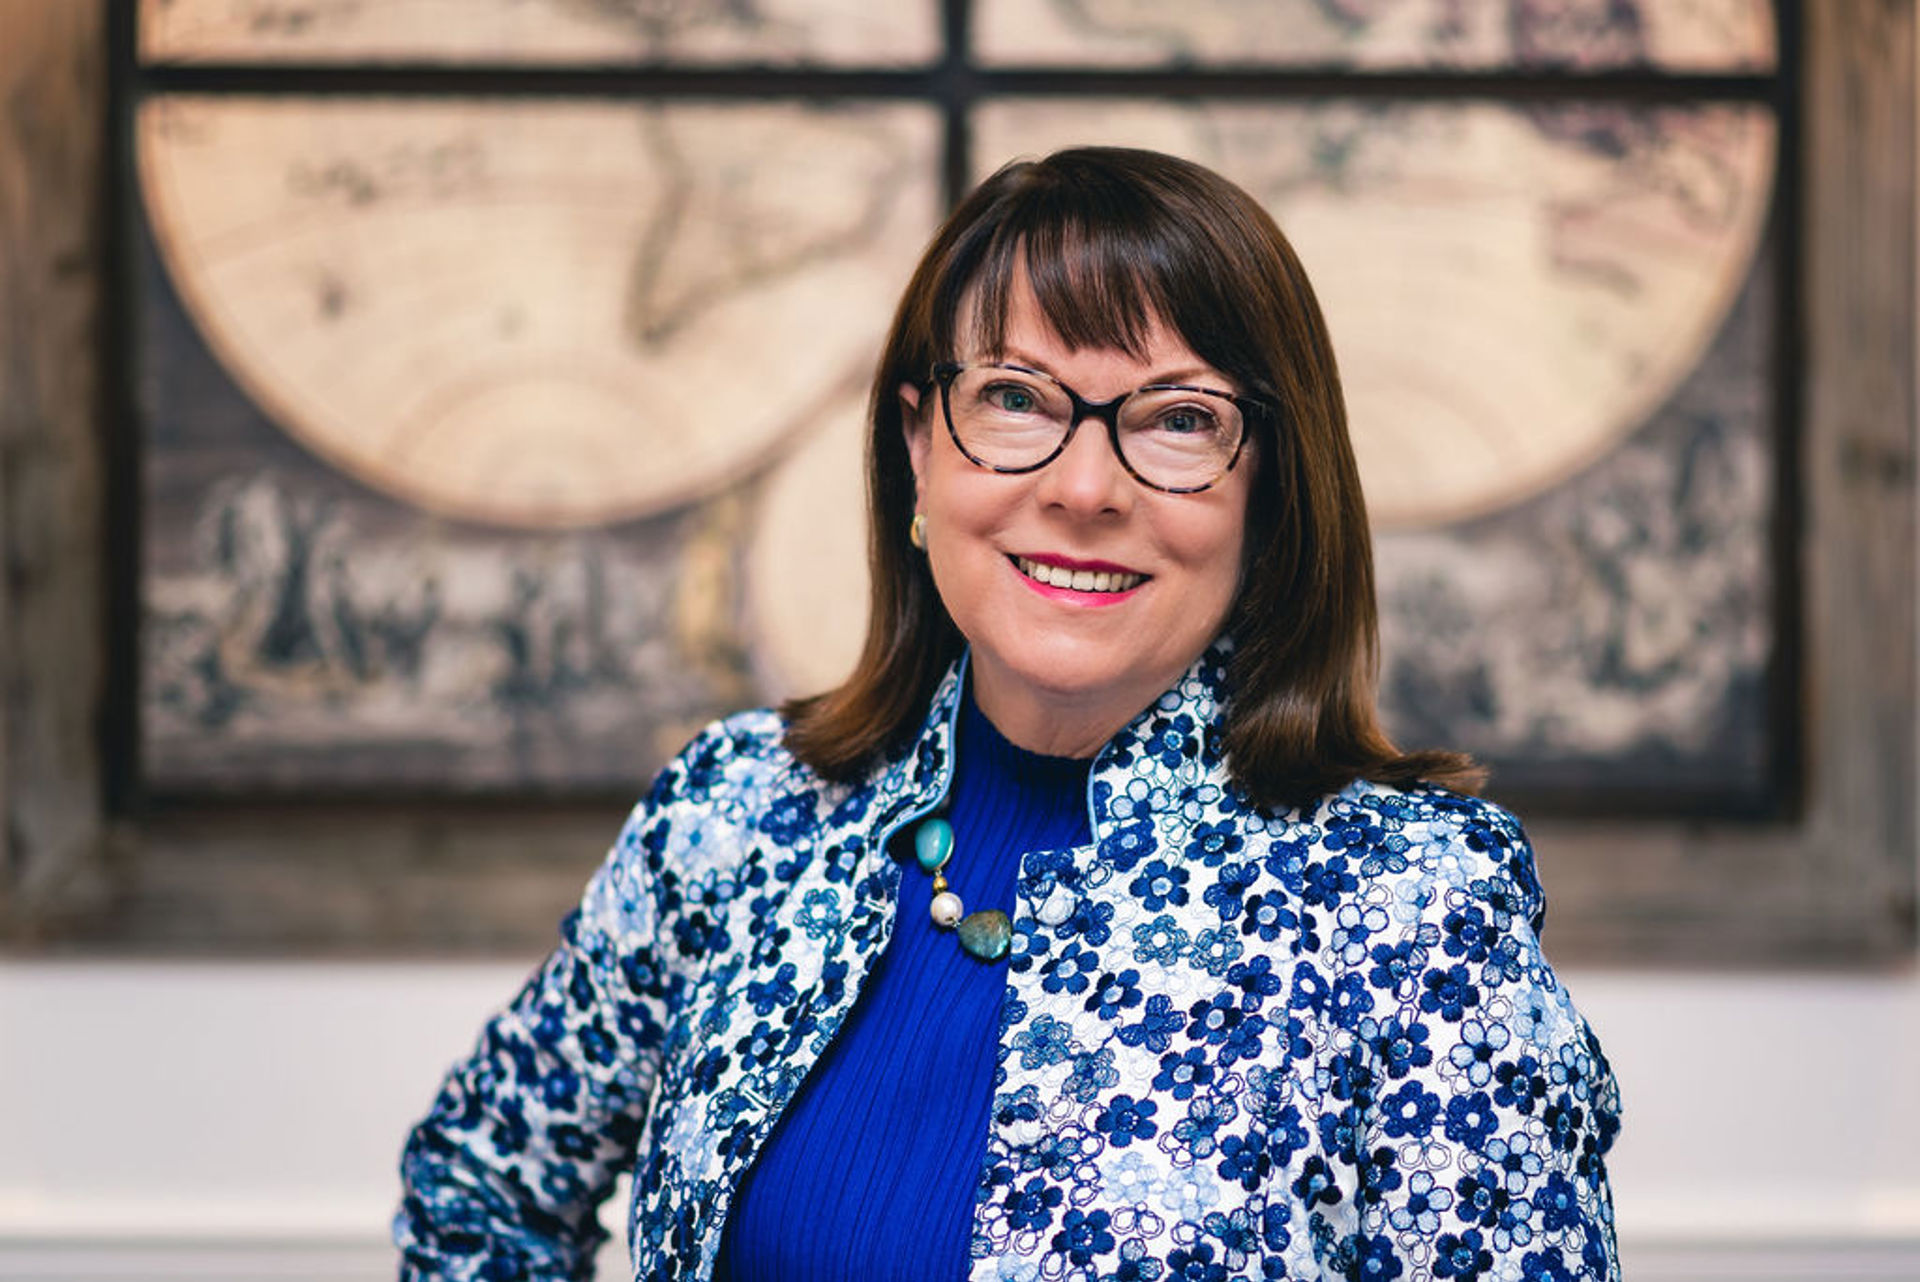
[1076,673]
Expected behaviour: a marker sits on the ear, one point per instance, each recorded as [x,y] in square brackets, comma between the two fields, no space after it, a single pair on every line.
[919,435]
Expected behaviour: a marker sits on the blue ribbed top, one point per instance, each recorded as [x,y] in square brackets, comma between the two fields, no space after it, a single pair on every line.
[871,1173]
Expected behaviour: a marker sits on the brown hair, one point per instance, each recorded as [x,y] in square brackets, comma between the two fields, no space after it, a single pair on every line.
[1111,239]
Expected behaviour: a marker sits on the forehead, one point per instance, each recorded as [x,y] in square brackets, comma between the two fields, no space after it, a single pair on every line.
[1087,290]
[1023,325]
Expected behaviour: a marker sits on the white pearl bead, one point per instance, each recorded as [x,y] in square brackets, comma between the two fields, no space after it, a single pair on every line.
[947,909]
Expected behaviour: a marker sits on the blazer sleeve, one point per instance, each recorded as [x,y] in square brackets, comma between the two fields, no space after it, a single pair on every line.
[504,1177]
[1493,1107]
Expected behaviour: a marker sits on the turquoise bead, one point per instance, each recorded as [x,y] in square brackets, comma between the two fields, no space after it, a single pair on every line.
[933,844]
[986,935]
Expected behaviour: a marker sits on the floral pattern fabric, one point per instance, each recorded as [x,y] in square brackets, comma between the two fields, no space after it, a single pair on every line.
[1321,1043]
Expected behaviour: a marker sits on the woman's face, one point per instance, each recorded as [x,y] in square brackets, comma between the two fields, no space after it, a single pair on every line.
[1059,670]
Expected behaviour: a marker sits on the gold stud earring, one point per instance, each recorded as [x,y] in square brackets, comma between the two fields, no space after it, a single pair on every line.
[917,531]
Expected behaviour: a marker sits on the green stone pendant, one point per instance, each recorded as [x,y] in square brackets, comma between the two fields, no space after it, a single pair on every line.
[986,935]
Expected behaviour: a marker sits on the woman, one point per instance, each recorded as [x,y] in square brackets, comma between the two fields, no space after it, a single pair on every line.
[1244,991]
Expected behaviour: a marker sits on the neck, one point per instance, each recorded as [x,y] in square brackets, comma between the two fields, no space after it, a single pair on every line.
[1055,724]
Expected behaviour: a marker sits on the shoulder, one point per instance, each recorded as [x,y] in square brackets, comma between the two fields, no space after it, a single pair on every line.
[1425,808]
[738,768]
[1430,847]
[733,797]
[742,752]
[1436,913]
[732,781]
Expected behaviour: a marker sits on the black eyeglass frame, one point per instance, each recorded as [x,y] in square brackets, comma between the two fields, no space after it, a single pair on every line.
[1252,409]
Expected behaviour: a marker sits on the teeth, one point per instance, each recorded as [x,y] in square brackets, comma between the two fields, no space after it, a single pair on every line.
[1079,580]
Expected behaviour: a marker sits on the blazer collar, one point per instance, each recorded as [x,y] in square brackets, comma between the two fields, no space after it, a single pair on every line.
[1176,738]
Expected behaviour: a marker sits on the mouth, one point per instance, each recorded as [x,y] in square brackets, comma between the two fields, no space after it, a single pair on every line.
[1082,579]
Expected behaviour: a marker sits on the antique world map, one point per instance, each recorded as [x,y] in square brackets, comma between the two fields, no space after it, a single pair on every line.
[496,443]
[558,32]
[1719,35]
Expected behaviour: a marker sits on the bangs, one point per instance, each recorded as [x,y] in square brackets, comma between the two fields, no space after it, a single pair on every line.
[1090,288]
[1110,246]
[1105,260]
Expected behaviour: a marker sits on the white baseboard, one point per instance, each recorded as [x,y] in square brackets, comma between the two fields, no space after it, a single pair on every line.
[370,1260]
[1878,1261]
[206,1261]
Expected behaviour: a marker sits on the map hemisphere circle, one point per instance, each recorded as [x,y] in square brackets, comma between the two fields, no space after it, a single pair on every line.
[367,294]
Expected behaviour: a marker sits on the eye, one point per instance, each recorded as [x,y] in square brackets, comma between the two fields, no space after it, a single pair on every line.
[1187,420]
[1011,398]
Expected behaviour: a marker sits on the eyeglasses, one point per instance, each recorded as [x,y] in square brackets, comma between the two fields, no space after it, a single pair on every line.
[1169,436]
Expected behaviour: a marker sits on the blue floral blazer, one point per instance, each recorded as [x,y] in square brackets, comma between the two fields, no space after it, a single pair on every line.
[1235,1044]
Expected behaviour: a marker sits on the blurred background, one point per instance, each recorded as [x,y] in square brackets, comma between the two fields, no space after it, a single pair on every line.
[417,418]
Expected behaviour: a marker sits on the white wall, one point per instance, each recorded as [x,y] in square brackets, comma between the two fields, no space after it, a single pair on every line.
[230,1120]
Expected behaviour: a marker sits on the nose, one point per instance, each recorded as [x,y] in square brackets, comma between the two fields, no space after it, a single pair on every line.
[1088,477]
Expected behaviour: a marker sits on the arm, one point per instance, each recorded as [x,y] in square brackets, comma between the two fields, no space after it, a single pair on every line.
[1485,1148]
[504,1177]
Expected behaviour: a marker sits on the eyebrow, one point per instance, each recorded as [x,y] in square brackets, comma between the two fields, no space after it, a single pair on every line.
[1186,374]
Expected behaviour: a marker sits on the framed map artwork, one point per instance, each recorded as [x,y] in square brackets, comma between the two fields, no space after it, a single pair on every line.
[500,411]
[498,373]
[475,427]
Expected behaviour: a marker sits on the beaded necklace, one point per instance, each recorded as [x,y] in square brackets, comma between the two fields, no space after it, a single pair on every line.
[987,934]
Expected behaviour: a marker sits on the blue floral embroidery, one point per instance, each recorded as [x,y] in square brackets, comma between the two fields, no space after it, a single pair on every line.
[1126,1119]
[1235,1044]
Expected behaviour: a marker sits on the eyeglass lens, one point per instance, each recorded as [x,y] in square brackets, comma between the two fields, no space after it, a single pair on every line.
[1171,437]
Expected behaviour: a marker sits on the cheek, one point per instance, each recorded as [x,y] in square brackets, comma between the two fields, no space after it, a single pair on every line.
[1213,555]
[964,517]
[1208,541]
[966,502]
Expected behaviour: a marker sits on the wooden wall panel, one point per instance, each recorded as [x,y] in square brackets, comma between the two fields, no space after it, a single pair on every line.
[52,93]
[1832,883]
[1838,884]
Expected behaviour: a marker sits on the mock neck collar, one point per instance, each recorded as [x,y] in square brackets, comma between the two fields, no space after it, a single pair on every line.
[982,746]
[1179,728]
